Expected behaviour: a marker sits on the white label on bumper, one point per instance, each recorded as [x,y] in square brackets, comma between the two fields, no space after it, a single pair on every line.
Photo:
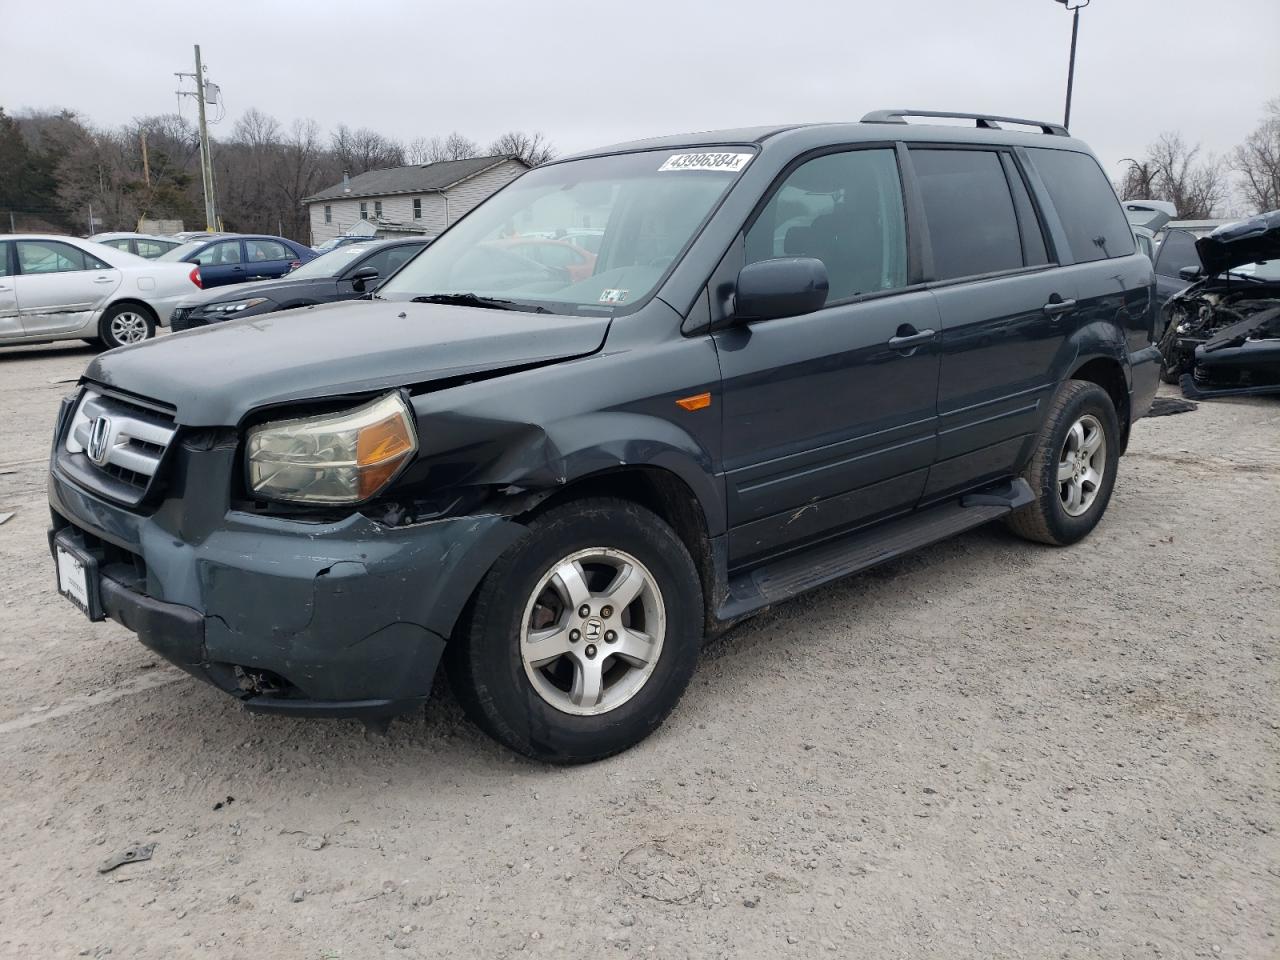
[71,578]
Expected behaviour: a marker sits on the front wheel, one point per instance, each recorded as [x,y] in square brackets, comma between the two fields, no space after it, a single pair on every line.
[583,636]
[124,324]
[1073,467]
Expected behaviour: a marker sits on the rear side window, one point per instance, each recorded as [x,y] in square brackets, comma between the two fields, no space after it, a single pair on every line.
[1177,251]
[844,209]
[969,209]
[4,259]
[258,250]
[1087,206]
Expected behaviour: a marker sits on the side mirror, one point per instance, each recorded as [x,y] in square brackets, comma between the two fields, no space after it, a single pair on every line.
[1191,273]
[361,277]
[784,287]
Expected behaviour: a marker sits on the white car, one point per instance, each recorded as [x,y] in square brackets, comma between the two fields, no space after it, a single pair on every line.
[142,244]
[63,288]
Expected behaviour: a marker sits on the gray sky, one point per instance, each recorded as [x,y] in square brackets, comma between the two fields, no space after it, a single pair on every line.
[590,73]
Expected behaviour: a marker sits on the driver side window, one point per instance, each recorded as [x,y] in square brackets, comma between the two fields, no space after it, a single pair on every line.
[846,210]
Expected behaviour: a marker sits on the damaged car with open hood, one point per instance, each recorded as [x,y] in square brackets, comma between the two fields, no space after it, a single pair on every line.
[1222,333]
[792,357]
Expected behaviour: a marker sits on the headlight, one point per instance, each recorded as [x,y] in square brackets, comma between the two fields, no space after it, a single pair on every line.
[235,306]
[333,458]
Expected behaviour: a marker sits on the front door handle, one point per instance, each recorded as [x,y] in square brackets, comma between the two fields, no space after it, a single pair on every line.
[908,338]
[1057,307]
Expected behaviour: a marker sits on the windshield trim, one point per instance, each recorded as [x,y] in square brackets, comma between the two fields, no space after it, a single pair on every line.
[564,308]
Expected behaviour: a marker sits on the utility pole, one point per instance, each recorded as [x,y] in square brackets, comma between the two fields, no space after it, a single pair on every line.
[206,156]
[1073,7]
[146,167]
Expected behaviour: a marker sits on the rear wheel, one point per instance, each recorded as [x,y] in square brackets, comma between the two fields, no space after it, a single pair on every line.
[583,636]
[126,323]
[1073,468]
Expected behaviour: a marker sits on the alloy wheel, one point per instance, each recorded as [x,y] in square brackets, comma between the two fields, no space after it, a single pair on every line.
[129,327]
[1082,464]
[592,631]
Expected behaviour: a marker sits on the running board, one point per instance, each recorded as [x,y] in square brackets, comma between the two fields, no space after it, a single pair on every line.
[834,559]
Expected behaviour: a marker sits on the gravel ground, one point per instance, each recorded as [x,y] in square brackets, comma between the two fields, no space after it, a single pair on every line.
[986,749]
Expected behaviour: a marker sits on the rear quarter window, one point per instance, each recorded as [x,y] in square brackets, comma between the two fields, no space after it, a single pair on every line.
[1087,206]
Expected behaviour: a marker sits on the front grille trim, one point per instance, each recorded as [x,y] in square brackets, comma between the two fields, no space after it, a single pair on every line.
[138,437]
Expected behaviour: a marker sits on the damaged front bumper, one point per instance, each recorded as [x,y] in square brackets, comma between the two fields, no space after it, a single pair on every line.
[1242,359]
[345,618]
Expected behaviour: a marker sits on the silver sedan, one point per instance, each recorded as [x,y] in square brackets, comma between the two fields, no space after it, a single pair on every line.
[64,288]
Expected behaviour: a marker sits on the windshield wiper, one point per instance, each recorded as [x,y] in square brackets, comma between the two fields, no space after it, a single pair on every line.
[475,300]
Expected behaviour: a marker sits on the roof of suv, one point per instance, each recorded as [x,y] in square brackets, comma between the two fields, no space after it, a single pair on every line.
[985,130]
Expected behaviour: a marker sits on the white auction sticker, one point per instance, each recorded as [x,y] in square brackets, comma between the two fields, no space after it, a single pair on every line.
[725,162]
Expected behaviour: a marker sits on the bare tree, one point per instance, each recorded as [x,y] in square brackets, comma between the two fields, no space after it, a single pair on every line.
[533,148]
[1257,160]
[362,150]
[453,147]
[1173,171]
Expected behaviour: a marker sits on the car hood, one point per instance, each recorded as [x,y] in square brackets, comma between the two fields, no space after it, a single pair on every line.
[271,289]
[1248,241]
[213,376]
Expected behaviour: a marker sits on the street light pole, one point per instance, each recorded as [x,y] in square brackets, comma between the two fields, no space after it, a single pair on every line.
[1071,65]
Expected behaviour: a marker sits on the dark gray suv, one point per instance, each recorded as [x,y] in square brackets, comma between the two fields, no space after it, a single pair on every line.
[794,352]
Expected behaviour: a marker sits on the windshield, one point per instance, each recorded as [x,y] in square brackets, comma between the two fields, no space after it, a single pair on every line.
[332,263]
[1268,270]
[582,236]
[177,253]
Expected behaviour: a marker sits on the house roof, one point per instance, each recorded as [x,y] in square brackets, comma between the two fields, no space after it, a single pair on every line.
[418,178]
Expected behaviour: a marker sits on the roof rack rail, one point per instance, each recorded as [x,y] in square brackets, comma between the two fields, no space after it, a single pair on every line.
[983,120]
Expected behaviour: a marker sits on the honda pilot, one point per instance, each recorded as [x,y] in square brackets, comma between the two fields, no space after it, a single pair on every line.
[798,352]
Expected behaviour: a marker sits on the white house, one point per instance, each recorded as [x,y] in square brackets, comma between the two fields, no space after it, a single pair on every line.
[423,198]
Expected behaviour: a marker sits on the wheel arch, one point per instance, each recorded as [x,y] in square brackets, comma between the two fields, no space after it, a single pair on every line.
[658,489]
[1108,373]
[132,302]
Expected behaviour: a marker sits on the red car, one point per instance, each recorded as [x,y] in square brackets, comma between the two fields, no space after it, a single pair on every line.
[560,254]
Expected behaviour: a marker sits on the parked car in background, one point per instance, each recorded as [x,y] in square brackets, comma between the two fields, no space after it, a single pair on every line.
[1175,254]
[567,258]
[337,242]
[1225,325]
[139,244]
[588,238]
[186,235]
[240,259]
[63,288]
[343,274]
[802,351]
[1147,217]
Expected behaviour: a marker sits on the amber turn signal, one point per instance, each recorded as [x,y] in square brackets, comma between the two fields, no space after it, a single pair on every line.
[696,402]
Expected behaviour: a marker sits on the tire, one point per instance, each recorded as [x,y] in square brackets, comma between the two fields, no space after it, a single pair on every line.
[124,324]
[1059,452]
[548,711]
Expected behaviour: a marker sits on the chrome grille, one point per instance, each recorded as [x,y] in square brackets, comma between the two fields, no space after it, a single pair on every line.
[116,446]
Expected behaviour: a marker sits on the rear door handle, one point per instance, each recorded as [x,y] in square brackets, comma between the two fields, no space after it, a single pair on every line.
[910,340]
[1056,308]
[103,280]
